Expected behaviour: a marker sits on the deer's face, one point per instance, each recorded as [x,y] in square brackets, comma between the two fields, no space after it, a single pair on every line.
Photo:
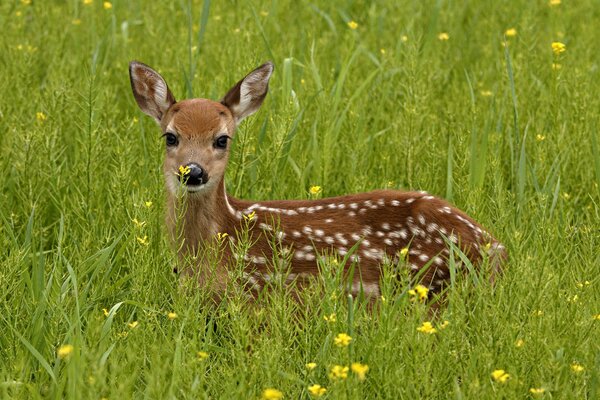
[197,132]
[197,135]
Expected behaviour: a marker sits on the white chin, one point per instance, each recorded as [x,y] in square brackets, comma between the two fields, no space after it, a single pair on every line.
[196,188]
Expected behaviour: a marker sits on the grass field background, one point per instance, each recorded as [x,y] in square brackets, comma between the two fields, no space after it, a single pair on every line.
[423,95]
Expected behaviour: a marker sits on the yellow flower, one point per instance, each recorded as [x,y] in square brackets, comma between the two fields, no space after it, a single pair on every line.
[76,21]
[444,324]
[404,38]
[316,390]
[511,32]
[272,394]
[133,324]
[382,51]
[443,36]
[500,375]
[148,204]
[18,13]
[342,340]
[315,190]
[404,252]
[427,328]
[360,370]
[519,343]
[537,391]
[64,351]
[486,93]
[556,66]
[420,291]
[338,372]
[172,316]
[264,13]
[577,368]
[105,311]
[183,170]
[596,317]
[202,355]
[137,223]
[331,318]
[311,365]
[558,48]
[554,3]
[582,284]
[540,138]
[88,2]
[352,25]
[222,236]
[40,116]
[26,2]
[107,5]
[143,240]
[250,217]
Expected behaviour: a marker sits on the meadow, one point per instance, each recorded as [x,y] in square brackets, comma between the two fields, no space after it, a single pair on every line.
[491,105]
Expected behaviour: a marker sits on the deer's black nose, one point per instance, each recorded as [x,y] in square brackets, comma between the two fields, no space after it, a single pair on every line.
[193,175]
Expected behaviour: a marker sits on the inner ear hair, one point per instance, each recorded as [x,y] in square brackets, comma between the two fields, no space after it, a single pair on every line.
[150,90]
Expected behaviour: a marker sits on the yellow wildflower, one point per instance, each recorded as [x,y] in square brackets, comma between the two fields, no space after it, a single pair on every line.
[338,372]
[202,355]
[64,351]
[88,2]
[331,318]
[250,217]
[558,48]
[486,93]
[537,391]
[133,324]
[107,5]
[444,324]
[264,13]
[500,376]
[404,252]
[597,317]
[105,311]
[315,190]
[311,365]
[222,235]
[519,343]
[272,394]
[511,32]
[143,240]
[404,38]
[148,204]
[40,116]
[556,66]
[316,390]
[183,170]
[360,370]
[420,291]
[26,2]
[18,13]
[352,25]
[427,328]
[172,315]
[577,368]
[342,340]
[540,138]
[76,21]
[138,224]
[554,3]
[443,36]
[382,51]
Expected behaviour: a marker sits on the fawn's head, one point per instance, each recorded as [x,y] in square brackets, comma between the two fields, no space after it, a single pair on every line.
[197,132]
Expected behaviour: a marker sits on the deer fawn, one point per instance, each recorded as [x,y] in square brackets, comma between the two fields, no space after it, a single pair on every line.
[414,228]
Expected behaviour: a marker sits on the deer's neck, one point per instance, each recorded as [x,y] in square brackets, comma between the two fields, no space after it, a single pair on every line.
[195,218]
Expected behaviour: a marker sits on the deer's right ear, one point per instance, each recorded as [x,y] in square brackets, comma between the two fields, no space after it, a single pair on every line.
[150,90]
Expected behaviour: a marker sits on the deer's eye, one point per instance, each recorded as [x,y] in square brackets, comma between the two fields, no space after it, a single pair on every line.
[221,142]
[170,139]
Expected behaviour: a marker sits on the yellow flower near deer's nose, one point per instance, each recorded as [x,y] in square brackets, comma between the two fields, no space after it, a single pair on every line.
[342,340]
[558,48]
[500,376]
[352,25]
[64,351]
[272,394]
[360,370]
[184,170]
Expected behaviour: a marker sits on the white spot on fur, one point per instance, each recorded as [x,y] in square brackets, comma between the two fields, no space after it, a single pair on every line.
[395,203]
[329,220]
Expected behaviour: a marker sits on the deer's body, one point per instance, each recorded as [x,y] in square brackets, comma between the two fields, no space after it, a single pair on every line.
[388,225]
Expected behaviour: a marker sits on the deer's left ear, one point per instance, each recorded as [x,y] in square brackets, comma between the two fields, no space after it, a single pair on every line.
[150,90]
[247,95]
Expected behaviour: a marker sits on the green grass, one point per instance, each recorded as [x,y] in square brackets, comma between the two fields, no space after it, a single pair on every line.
[497,130]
